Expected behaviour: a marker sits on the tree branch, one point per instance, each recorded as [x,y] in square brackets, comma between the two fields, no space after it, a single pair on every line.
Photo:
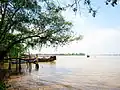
[3,16]
[8,27]
[22,39]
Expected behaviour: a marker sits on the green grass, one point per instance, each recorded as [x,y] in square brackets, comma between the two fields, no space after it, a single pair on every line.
[13,66]
[7,64]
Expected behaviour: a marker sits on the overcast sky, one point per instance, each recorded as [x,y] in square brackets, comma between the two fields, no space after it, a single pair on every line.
[101,34]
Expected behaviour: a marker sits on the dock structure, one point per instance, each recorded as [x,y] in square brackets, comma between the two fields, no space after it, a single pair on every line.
[28,60]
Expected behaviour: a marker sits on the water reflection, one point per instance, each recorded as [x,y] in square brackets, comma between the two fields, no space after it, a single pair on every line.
[37,67]
[45,65]
[52,63]
[30,67]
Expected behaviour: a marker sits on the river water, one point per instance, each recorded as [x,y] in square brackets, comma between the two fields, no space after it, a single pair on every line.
[78,73]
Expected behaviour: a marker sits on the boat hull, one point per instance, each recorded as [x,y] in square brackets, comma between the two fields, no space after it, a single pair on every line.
[32,60]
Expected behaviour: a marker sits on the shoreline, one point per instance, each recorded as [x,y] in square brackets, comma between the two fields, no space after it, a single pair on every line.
[25,82]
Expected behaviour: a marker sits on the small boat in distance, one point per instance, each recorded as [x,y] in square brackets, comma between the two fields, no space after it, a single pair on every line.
[88,56]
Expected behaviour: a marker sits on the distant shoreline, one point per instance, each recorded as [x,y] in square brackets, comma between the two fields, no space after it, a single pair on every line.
[58,55]
[105,54]
[81,54]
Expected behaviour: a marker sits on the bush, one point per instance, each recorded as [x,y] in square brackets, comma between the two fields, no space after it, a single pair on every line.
[2,85]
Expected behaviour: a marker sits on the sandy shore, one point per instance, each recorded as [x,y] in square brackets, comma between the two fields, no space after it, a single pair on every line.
[27,83]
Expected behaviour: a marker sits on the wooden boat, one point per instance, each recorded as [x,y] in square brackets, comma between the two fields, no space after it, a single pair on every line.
[33,60]
[50,59]
[17,62]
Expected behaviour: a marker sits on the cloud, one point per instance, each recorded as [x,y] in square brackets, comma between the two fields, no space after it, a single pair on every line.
[97,41]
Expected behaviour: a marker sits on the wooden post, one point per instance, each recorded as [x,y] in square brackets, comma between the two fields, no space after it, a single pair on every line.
[37,65]
[30,64]
[19,65]
[9,67]
[16,64]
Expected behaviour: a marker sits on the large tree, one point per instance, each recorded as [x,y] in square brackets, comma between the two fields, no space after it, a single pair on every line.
[32,23]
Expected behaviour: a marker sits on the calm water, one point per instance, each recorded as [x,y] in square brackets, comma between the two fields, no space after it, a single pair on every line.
[80,73]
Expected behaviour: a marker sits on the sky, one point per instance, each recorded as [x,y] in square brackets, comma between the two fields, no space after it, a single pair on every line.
[101,34]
